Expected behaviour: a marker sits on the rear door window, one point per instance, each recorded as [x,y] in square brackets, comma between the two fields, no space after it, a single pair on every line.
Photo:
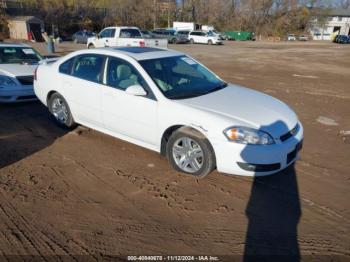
[89,67]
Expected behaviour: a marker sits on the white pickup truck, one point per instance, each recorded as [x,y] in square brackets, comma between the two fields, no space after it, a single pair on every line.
[123,36]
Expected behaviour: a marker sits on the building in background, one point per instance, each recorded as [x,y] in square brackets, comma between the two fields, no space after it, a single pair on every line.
[336,22]
[26,28]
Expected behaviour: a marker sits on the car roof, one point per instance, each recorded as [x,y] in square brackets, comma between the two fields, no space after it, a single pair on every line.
[122,27]
[137,53]
[14,45]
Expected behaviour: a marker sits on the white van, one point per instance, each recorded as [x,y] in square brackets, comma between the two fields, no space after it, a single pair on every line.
[201,37]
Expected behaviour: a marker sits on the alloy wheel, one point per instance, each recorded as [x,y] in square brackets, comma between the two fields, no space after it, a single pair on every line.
[188,155]
[59,110]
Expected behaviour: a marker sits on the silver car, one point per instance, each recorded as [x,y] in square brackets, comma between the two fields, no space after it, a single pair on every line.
[17,65]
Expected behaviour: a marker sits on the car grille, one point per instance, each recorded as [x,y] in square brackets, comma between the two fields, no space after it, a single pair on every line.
[26,80]
[290,133]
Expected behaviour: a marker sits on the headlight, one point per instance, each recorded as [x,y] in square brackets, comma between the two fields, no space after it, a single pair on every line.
[6,81]
[246,135]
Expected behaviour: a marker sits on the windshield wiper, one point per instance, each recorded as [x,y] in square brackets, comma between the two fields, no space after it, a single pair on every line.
[222,86]
[186,96]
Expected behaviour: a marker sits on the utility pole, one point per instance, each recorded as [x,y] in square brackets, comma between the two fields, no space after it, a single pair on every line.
[155,14]
[168,13]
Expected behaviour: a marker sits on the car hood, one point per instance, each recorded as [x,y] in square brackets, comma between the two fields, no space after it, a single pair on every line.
[14,70]
[243,106]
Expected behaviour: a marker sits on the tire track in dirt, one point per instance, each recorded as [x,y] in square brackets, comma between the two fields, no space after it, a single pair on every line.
[31,240]
[21,230]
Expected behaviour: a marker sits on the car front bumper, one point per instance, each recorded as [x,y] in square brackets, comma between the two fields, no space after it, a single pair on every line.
[17,94]
[182,40]
[257,160]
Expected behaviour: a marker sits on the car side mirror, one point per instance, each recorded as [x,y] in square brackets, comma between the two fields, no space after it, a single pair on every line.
[136,90]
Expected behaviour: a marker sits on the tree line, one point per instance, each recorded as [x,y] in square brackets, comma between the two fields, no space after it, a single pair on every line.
[265,17]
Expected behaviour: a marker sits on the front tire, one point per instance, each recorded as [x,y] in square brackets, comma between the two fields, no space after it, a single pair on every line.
[190,152]
[210,42]
[191,41]
[59,108]
[91,46]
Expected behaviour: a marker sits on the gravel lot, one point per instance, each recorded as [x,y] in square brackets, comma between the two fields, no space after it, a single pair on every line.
[86,193]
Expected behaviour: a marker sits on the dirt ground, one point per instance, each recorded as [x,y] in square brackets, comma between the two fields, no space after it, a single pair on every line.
[86,193]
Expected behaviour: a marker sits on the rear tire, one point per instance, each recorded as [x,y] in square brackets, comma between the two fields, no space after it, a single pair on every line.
[188,151]
[59,108]
[91,46]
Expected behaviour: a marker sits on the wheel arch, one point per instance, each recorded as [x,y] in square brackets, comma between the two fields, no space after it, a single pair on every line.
[170,130]
[49,95]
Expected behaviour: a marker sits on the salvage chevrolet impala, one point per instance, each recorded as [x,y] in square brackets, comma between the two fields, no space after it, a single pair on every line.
[168,102]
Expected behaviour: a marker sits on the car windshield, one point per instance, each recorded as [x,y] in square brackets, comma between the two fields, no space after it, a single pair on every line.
[19,55]
[181,77]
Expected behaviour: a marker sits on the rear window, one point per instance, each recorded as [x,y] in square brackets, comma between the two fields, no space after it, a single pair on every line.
[130,33]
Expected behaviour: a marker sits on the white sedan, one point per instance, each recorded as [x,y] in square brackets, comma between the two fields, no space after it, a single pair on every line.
[17,65]
[168,102]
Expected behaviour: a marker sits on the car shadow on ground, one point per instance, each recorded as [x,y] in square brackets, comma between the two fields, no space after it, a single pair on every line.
[25,128]
[273,211]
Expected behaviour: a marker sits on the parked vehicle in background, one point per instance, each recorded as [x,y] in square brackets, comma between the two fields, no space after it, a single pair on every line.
[183,33]
[303,38]
[82,36]
[17,65]
[238,36]
[215,33]
[147,34]
[168,102]
[291,37]
[170,35]
[343,39]
[123,36]
[335,40]
[200,37]
[188,26]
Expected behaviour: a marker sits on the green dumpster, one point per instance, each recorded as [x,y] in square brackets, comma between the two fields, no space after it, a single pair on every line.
[239,35]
